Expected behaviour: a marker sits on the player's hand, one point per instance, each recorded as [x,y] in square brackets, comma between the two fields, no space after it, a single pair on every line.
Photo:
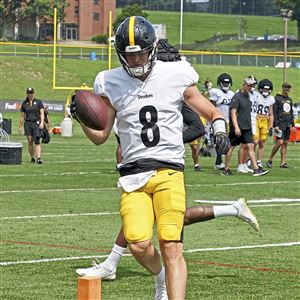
[21,131]
[222,143]
[237,132]
[73,109]
[270,132]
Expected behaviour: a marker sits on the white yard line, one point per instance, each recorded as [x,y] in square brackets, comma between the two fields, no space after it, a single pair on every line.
[243,183]
[60,216]
[117,213]
[273,200]
[228,248]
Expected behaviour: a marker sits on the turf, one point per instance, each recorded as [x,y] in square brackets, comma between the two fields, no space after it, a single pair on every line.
[46,232]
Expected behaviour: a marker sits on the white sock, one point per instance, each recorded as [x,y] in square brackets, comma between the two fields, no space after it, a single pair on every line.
[114,258]
[225,211]
[161,276]
[196,165]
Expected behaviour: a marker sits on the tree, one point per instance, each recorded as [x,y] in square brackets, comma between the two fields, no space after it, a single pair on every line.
[294,5]
[127,11]
[15,11]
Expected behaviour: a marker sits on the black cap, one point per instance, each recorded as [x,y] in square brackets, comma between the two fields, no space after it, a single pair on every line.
[286,85]
[30,90]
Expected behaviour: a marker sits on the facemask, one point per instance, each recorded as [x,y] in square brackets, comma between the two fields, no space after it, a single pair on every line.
[265,94]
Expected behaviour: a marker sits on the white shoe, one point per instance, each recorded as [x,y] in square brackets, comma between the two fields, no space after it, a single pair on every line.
[97,271]
[246,168]
[245,214]
[160,291]
[259,164]
[221,166]
[241,169]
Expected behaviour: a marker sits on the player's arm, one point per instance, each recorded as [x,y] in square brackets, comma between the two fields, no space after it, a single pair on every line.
[195,127]
[271,117]
[194,99]
[99,137]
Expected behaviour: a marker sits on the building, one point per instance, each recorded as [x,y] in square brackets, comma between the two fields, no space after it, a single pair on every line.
[86,18]
[83,20]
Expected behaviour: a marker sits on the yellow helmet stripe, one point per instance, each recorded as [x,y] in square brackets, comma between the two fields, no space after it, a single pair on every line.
[131,31]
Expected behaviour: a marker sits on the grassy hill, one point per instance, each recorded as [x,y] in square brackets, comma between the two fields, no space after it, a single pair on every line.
[17,73]
[201,26]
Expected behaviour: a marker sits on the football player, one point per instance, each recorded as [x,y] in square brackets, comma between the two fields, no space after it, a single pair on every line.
[283,124]
[146,97]
[221,98]
[264,117]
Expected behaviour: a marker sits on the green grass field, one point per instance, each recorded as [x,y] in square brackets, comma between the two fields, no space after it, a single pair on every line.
[46,232]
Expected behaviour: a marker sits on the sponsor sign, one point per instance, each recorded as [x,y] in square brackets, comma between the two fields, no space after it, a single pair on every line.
[15,105]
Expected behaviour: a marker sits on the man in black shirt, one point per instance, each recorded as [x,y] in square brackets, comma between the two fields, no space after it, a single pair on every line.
[283,121]
[32,118]
[240,128]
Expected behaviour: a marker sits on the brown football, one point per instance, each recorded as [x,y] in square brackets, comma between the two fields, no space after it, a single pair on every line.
[91,109]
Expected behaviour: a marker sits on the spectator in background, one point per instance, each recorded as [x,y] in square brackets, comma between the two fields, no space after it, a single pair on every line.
[240,131]
[242,155]
[283,122]
[32,118]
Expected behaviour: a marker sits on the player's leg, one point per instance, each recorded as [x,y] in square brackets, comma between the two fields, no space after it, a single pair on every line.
[36,136]
[286,136]
[239,209]
[283,152]
[169,205]
[195,154]
[275,148]
[138,220]
[31,148]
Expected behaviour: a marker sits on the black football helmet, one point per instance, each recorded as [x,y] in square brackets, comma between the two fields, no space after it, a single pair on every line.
[267,85]
[224,81]
[136,35]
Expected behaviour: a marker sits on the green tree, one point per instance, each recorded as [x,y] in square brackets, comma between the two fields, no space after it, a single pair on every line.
[295,6]
[14,11]
[127,11]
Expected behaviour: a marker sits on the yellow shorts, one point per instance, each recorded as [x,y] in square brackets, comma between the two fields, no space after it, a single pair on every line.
[262,129]
[195,142]
[161,199]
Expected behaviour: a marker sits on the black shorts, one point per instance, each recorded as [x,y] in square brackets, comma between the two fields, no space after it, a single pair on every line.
[285,134]
[245,138]
[32,129]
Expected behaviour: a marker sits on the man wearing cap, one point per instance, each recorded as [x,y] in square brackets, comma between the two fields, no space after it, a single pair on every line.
[283,122]
[32,118]
[240,126]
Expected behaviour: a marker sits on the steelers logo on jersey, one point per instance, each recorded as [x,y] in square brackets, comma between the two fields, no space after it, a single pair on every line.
[286,107]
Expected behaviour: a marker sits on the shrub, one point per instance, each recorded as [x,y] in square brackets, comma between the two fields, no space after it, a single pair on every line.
[100,39]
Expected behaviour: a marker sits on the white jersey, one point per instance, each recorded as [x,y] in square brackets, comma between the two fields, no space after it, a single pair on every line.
[222,100]
[263,104]
[149,112]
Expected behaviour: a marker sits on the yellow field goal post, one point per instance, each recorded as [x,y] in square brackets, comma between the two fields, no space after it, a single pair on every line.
[72,89]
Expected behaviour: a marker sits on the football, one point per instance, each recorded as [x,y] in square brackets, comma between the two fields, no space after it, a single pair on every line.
[90,109]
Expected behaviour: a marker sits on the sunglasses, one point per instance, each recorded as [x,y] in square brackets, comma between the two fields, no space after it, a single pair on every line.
[29,92]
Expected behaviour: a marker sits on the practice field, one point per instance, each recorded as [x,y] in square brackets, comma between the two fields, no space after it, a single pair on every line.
[62,215]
